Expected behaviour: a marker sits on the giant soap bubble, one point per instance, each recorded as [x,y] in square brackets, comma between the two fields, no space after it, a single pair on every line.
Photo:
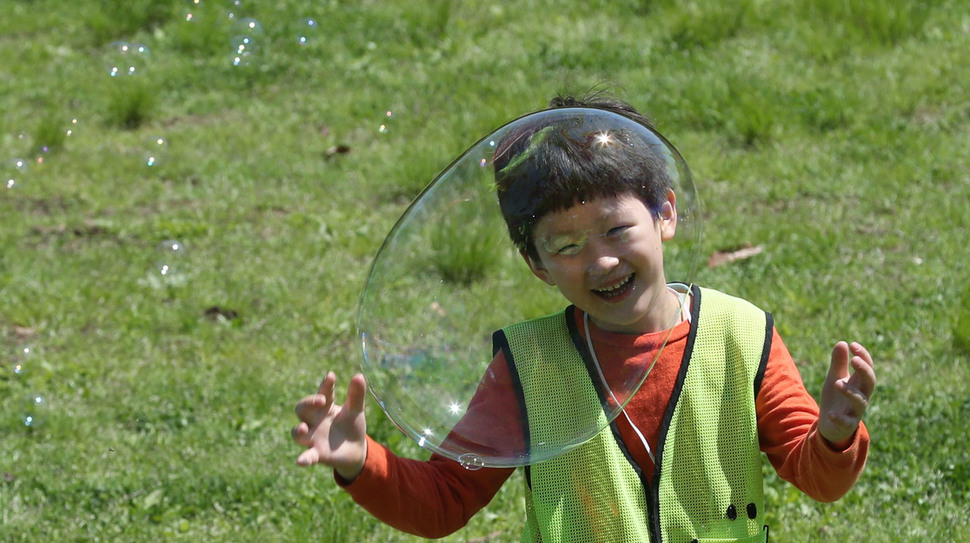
[447,276]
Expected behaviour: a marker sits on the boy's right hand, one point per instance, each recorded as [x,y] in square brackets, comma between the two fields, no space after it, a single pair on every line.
[334,435]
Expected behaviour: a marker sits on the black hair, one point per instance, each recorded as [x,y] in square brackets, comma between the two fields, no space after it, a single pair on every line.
[547,165]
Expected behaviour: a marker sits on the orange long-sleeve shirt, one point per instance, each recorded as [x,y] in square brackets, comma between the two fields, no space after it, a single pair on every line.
[436,497]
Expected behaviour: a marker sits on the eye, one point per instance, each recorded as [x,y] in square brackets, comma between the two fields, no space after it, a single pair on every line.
[571,249]
[619,232]
[564,245]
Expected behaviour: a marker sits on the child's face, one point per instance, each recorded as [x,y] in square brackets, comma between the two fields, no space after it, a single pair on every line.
[605,257]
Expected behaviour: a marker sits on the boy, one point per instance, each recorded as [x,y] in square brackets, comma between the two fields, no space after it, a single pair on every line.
[683,462]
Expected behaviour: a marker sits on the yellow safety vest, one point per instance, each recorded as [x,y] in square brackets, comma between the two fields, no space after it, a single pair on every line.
[707,485]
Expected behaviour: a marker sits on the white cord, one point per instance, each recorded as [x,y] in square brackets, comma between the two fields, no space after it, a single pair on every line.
[685,314]
[592,352]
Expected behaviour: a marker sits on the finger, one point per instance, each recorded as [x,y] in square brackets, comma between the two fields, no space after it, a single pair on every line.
[299,432]
[839,368]
[309,408]
[858,401]
[308,457]
[327,386]
[863,376]
[356,393]
[859,350]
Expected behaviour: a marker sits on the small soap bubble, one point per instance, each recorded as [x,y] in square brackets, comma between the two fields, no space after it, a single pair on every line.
[243,45]
[471,461]
[23,359]
[234,9]
[124,59]
[71,129]
[307,31]
[241,60]
[169,256]
[385,126]
[192,10]
[245,41]
[247,26]
[12,172]
[155,151]
[34,411]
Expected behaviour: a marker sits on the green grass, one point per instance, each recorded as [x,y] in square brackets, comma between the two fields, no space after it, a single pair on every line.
[834,133]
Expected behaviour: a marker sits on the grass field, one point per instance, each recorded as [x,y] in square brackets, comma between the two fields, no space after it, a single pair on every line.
[835,134]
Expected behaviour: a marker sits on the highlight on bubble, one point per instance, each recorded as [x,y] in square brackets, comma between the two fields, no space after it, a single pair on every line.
[154,151]
[307,30]
[170,259]
[126,59]
[23,361]
[191,9]
[385,125]
[235,9]
[34,412]
[12,172]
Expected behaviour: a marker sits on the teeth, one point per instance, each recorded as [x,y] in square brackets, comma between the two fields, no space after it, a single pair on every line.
[621,284]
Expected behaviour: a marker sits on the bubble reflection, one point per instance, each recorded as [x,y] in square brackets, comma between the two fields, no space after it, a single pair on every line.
[307,31]
[155,151]
[191,10]
[22,360]
[234,9]
[126,59]
[12,172]
[169,256]
[385,126]
[34,411]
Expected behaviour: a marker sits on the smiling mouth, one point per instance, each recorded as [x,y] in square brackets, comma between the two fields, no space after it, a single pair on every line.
[615,290]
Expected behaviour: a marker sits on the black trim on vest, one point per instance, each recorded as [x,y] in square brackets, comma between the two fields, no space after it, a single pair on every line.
[583,348]
[501,342]
[765,353]
[580,344]
[626,453]
[653,495]
[644,482]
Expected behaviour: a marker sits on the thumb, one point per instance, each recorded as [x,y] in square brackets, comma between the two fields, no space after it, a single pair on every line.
[840,361]
[308,457]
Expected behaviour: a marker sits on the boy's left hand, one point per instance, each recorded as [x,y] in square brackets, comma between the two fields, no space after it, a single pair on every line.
[845,397]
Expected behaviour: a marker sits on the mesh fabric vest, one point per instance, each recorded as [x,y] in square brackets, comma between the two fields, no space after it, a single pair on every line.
[708,484]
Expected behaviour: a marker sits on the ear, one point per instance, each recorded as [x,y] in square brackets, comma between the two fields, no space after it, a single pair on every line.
[537,268]
[668,217]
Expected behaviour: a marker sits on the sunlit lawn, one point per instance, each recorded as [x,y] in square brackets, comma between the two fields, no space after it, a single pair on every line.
[832,135]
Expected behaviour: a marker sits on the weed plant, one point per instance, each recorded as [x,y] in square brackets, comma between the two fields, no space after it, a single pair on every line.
[833,133]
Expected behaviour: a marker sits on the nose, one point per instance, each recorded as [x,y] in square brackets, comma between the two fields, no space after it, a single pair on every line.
[602,260]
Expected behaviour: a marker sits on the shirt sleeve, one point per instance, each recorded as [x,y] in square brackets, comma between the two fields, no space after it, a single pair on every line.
[436,497]
[788,430]
[430,498]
